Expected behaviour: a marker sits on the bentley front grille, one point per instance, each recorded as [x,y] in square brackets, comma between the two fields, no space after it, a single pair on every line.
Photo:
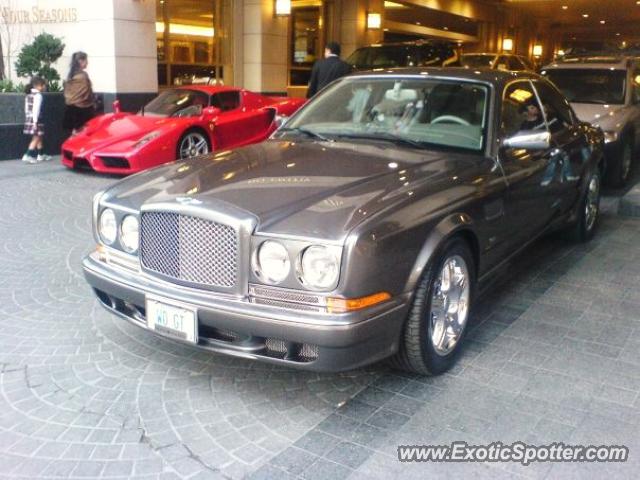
[189,249]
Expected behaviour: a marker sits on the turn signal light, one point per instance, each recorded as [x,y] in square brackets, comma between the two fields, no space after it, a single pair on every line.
[342,305]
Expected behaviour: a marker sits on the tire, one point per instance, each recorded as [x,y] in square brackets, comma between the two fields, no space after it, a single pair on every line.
[622,164]
[192,143]
[588,209]
[423,345]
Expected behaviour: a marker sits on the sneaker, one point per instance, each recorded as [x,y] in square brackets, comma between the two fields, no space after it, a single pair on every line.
[43,158]
[26,158]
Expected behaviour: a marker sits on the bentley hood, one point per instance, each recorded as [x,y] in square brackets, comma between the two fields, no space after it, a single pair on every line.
[311,189]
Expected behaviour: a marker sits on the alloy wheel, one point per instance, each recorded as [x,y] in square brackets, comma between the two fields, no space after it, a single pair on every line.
[592,204]
[449,305]
[192,145]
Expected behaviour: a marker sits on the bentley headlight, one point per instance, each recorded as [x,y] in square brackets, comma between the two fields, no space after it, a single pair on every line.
[272,262]
[107,226]
[146,139]
[130,233]
[610,137]
[319,267]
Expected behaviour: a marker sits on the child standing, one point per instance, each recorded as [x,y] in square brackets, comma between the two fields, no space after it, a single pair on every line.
[33,121]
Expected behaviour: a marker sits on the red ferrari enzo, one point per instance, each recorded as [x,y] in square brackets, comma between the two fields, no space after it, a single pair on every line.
[179,123]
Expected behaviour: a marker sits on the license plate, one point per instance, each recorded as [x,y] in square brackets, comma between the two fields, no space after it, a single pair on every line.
[172,320]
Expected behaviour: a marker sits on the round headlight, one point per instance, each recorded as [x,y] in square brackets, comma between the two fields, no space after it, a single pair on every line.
[273,263]
[319,267]
[130,233]
[107,226]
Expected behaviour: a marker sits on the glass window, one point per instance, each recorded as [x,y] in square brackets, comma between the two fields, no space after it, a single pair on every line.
[305,43]
[193,41]
[589,85]
[177,103]
[515,65]
[520,109]
[226,101]
[423,112]
[556,109]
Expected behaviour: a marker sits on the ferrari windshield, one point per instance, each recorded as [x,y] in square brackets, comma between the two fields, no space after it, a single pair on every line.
[589,85]
[417,112]
[177,102]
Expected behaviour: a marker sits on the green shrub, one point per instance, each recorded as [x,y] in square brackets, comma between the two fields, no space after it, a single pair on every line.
[7,86]
[37,57]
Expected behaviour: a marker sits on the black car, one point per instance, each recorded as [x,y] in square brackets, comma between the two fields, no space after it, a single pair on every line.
[421,53]
[363,229]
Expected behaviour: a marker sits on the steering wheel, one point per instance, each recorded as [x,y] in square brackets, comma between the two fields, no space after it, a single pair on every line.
[450,118]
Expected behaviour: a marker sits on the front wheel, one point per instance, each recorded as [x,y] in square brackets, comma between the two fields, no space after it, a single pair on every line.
[437,321]
[192,144]
[588,210]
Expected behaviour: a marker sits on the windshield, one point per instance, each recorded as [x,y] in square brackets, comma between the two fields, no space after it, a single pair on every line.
[590,85]
[476,61]
[177,103]
[412,112]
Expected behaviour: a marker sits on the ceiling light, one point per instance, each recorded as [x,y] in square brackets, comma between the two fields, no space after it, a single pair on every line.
[564,7]
[585,15]
[602,22]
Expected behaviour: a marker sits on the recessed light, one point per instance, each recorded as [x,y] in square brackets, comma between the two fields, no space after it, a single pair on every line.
[418,23]
[617,34]
[585,15]
[445,28]
[564,7]
[602,22]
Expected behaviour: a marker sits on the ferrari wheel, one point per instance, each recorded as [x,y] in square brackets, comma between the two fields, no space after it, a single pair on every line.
[192,144]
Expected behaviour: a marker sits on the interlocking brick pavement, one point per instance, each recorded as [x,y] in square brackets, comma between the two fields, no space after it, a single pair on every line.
[554,355]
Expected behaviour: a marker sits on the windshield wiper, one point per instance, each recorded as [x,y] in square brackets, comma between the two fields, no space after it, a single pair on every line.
[309,133]
[386,136]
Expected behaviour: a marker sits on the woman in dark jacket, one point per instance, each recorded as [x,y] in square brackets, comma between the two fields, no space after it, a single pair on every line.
[78,94]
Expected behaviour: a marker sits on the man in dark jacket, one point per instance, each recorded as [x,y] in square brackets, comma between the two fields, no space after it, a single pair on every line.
[328,69]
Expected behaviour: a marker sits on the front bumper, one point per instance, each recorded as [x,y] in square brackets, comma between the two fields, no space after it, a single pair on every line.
[235,326]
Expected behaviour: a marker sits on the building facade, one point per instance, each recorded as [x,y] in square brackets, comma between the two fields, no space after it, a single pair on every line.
[138,46]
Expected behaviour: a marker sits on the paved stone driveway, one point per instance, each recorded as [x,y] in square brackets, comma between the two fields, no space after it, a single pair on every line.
[554,356]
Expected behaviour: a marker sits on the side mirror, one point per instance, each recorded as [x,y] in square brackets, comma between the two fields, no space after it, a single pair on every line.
[211,111]
[529,140]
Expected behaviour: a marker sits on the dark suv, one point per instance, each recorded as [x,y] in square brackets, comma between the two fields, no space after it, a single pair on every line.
[422,53]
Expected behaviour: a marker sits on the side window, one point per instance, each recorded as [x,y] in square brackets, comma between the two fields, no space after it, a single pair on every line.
[502,63]
[520,109]
[556,108]
[526,63]
[226,101]
[514,64]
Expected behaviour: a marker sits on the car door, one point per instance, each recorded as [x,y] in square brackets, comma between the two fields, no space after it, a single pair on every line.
[239,124]
[530,200]
[570,146]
